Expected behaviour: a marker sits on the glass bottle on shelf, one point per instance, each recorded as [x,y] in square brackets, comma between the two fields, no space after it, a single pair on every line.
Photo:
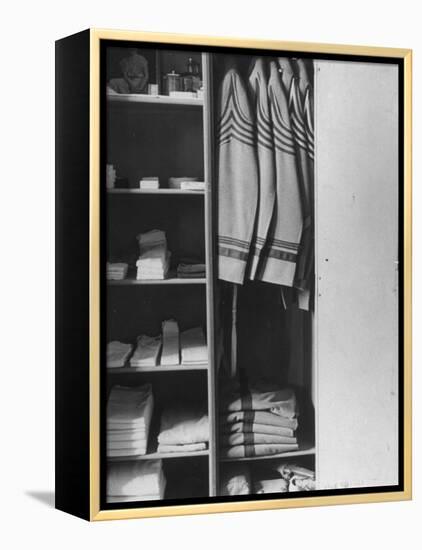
[187,77]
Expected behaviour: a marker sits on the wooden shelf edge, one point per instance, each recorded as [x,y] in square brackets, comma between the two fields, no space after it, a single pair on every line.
[291,454]
[143,99]
[156,456]
[170,281]
[158,368]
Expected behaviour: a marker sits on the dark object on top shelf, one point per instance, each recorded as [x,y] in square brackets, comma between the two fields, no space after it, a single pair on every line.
[135,75]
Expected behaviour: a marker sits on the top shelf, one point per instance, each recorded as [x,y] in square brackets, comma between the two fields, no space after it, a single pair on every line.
[154,100]
[160,191]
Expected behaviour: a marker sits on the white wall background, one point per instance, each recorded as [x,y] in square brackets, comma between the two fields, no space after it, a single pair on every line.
[27,252]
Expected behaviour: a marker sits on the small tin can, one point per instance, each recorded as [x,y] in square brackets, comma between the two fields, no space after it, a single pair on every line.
[173,82]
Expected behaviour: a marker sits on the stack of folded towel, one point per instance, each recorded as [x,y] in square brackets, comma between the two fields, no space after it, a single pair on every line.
[129,412]
[116,271]
[154,259]
[149,183]
[183,429]
[194,347]
[170,354]
[190,269]
[135,481]
[117,354]
[147,351]
[257,420]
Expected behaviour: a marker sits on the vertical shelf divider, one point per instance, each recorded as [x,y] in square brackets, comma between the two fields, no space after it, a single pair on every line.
[210,272]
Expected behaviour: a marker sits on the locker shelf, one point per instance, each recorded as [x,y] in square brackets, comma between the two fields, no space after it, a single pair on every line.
[167,368]
[158,100]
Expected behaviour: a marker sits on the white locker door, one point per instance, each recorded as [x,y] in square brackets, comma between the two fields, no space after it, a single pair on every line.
[356,347]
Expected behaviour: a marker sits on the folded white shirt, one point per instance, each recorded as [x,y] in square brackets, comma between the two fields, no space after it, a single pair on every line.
[147,351]
[170,354]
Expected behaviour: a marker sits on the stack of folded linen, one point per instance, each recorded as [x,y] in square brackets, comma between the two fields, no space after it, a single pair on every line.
[183,429]
[192,185]
[116,271]
[170,354]
[190,269]
[129,412]
[147,351]
[117,354]
[136,480]
[154,259]
[258,420]
[194,347]
[149,183]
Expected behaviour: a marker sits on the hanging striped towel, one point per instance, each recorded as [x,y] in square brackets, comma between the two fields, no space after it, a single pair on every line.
[258,84]
[280,254]
[300,97]
[237,179]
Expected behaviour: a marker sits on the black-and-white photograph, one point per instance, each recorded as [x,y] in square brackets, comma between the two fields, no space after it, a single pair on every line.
[250,343]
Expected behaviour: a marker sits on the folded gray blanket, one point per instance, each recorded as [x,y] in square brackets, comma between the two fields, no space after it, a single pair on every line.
[260,397]
[259,417]
[251,438]
[248,427]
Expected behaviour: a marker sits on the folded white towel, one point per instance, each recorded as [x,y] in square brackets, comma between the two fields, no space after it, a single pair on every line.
[170,354]
[147,351]
[183,425]
[153,257]
[194,347]
[116,271]
[116,266]
[187,448]
[151,239]
[149,183]
[193,185]
[135,478]
[130,406]
[117,354]
[126,444]
[125,435]
[135,451]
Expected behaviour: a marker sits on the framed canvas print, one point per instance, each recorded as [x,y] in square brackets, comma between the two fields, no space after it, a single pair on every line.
[233,274]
